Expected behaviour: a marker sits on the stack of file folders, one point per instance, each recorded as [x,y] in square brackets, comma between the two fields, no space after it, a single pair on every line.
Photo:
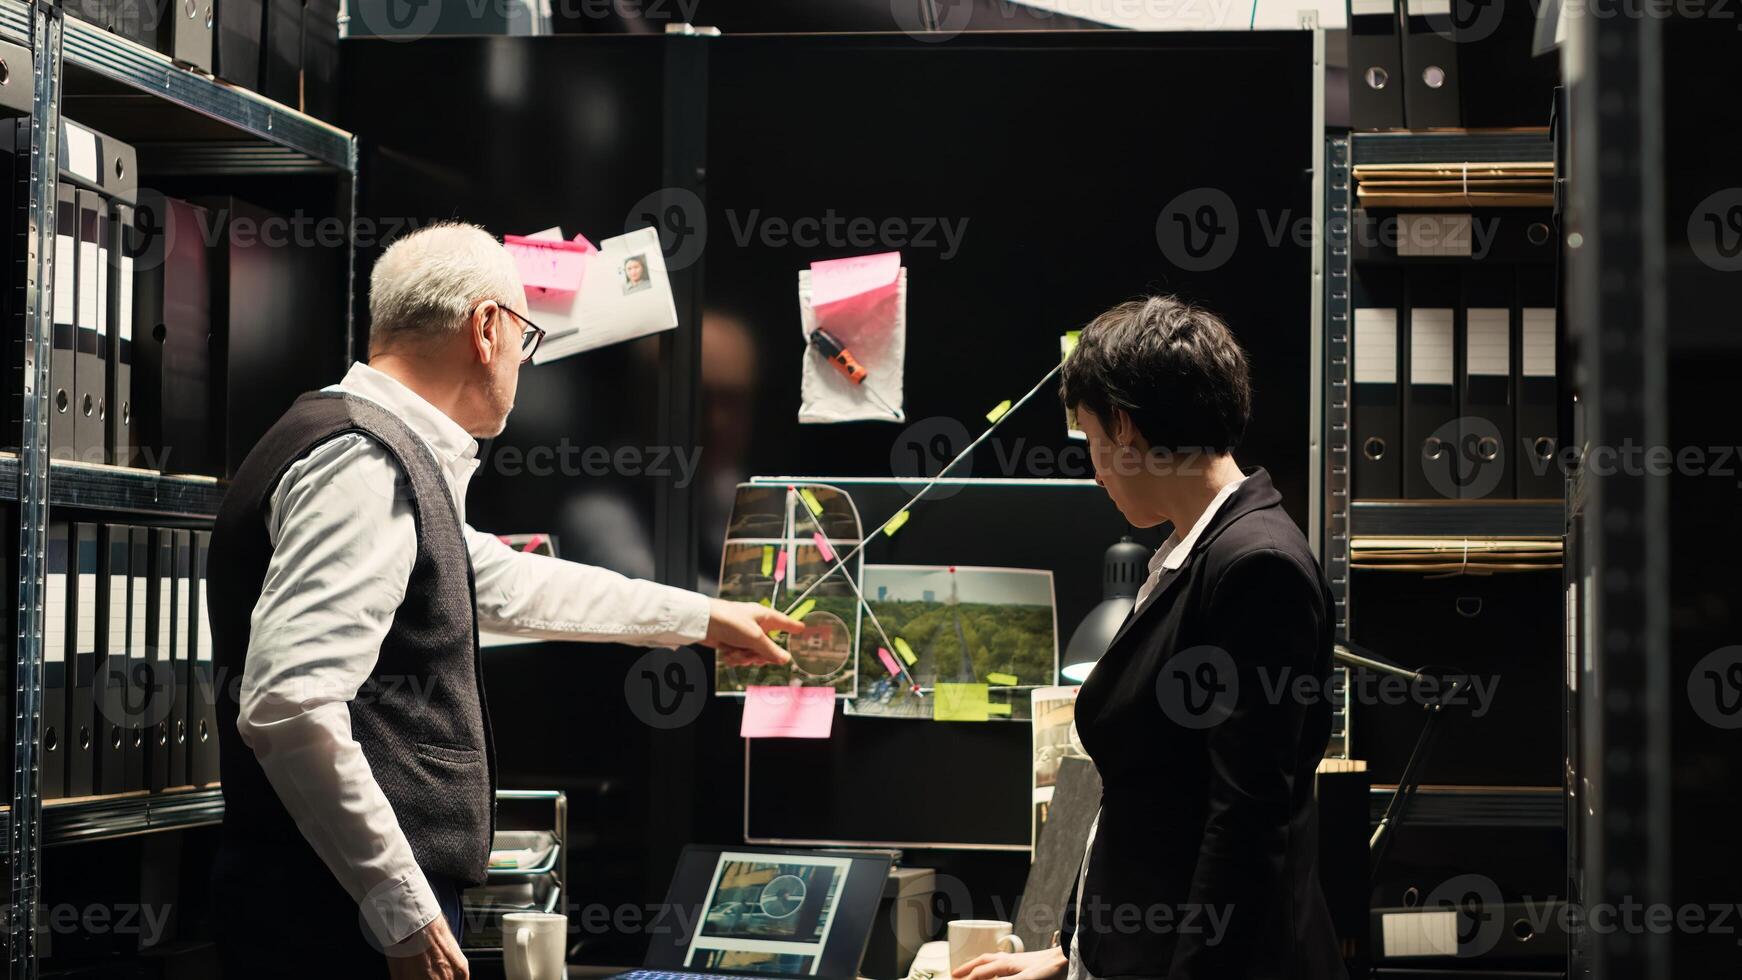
[89,412]
[128,682]
[1526,184]
[1453,371]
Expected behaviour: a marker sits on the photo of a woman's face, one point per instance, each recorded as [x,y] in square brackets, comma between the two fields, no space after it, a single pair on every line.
[634,271]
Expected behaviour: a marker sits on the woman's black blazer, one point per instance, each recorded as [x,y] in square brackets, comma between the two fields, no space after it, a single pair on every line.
[1207,718]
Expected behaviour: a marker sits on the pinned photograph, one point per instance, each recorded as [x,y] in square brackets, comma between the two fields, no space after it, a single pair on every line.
[958,624]
[820,649]
[1055,740]
[635,277]
[625,294]
[784,542]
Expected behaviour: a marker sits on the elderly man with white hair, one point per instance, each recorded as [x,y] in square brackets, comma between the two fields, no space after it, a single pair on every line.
[346,595]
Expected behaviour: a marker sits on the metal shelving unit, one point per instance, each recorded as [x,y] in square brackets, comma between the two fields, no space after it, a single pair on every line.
[1346,520]
[106,818]
[1482,806]
[252,121]
[121,490]
[184,124]
[1457,518]
[1496,146]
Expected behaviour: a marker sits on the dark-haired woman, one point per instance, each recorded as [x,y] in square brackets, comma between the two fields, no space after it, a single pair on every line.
[1203,860]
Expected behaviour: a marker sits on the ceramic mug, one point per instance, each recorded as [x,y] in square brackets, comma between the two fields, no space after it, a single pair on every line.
[973,937]
[534,945]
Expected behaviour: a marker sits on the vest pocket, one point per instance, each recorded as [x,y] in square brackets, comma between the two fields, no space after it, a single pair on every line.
[455,754]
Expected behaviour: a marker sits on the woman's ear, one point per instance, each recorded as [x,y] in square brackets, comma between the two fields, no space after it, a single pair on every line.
[1124,431]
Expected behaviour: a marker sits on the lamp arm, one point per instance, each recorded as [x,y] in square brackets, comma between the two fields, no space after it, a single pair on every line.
[1353,655]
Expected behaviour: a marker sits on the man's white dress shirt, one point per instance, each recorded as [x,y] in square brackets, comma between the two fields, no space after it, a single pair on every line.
[1169,557]
[343,549]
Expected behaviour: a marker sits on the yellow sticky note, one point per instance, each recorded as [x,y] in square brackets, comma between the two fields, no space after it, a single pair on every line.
[906,651]
[895,523]
[998,709]
[1005,680]
[804,609]
[960,702]
[768,559]
[998,411]
[811,501]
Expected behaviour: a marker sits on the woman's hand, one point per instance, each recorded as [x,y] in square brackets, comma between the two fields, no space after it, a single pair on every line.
[1042,964]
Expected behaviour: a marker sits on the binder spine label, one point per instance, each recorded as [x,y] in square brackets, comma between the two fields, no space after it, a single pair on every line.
[137,626]
[65,258]
[1537,355]
[163,620]
[117,615]
[181,617]
[89,285]
[203,651]
[1431,346]
[81,147]
[1434,235]
[1489,347]
[54,617]
[1375,346]
[87,635]
[124,297]
[102,277]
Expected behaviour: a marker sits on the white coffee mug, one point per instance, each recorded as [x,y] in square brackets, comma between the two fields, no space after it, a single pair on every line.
[974,937]
[534,945]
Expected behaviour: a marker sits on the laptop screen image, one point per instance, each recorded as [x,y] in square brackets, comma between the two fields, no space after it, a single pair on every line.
[768,912]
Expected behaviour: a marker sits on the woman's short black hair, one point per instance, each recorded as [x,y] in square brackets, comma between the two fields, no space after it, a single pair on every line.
[1175,368]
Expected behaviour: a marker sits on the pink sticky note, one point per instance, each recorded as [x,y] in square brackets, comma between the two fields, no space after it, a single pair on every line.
[889,663]
[549,265]
[780,565]
[788,712]
[834,280]
[822,544]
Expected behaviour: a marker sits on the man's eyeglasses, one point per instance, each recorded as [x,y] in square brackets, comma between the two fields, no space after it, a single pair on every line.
[530,338]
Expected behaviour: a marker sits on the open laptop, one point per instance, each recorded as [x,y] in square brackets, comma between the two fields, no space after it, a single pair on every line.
[765,912]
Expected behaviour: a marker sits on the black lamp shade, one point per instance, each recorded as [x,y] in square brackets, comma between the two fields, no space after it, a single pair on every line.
[1123,570]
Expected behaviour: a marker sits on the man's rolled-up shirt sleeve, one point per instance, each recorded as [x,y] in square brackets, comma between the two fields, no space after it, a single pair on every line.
[343,550]
[539,596]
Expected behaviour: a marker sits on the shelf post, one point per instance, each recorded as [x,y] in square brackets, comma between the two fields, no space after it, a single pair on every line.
[23,828]
[1618,309]
[1333,419]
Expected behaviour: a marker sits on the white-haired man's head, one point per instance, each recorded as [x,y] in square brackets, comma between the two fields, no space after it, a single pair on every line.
[428,281]
[447,302]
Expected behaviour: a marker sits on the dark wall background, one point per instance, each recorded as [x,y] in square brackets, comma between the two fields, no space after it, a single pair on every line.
[1054,156]
[1060,153]
[1705,356]
[518,135]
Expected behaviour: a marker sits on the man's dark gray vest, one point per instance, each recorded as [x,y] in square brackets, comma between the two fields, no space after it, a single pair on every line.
[420,718]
